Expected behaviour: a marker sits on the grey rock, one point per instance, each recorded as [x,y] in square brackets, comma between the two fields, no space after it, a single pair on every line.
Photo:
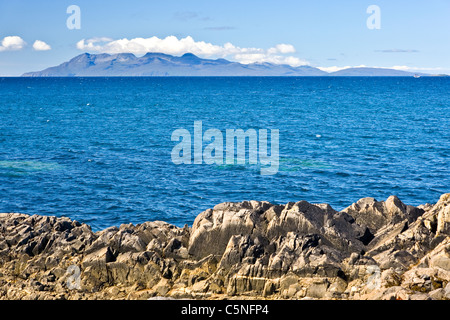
[370,250]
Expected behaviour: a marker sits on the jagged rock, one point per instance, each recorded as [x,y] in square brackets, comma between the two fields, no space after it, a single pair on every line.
[338,286]
[212,229]
[378,214]
[370,250]
[318,288]
[443,217]
[390,278]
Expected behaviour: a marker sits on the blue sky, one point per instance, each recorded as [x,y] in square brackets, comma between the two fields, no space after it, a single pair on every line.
[414,35]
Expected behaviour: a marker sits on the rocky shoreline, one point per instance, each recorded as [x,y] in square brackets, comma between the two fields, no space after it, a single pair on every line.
[249,250]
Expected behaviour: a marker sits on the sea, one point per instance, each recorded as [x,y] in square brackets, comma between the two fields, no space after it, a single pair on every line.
[98,150]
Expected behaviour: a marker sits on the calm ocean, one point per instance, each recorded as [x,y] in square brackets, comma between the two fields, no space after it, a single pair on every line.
[98,150]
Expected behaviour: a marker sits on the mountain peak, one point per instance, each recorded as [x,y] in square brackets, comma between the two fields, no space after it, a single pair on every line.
[191,58]
[189,55]
[156,54]
[81,56]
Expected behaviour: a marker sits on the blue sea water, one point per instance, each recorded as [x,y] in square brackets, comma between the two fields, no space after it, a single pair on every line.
[98,150]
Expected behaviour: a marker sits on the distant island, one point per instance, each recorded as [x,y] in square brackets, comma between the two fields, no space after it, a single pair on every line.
[159,64]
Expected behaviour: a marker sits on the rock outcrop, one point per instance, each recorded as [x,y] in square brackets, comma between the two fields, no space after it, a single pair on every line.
[370,250]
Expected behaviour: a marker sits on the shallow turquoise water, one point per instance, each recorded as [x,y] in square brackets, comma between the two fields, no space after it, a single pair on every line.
[99,149]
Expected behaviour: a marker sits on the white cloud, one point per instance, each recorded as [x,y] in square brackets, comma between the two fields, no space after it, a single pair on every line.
[248,58]
[406,68]
[174,46]
[12,43]
[282,48]
[39,45]
[335,68]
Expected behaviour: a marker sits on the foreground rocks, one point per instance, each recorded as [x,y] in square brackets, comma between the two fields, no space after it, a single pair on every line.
[370,250]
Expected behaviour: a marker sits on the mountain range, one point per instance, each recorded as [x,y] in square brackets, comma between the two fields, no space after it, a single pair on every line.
[160,64]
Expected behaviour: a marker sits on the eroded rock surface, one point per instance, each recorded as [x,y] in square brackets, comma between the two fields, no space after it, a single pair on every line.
[370,250]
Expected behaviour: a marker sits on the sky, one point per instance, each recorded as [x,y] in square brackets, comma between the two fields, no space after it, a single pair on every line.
[409,35]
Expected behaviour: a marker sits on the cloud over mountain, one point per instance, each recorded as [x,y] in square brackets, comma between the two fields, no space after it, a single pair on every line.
[278,54]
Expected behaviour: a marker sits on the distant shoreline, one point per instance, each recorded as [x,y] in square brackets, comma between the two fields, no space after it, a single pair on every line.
[159,64]
[163,77]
